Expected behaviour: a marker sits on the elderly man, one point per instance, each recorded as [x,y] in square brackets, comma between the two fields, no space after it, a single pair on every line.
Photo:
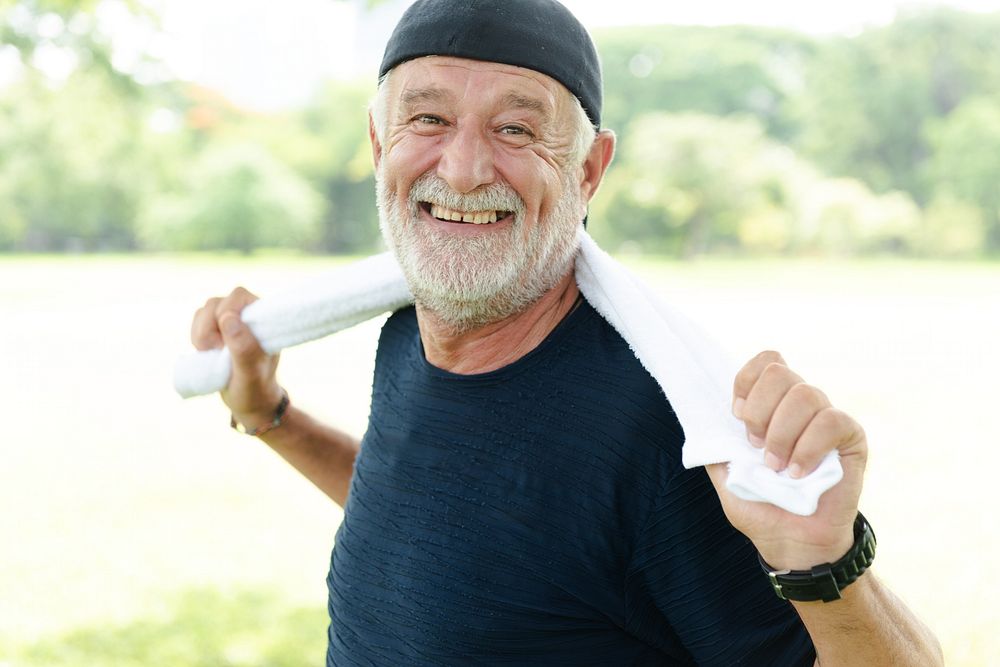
[518,497]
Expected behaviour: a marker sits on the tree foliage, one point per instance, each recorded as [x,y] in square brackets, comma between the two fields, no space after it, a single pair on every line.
[733,139]
[870,100]
[888,115]
[67,31]
[687,180]
[234,196]
[717,71]
[966,160]
[71,166]
[691,183]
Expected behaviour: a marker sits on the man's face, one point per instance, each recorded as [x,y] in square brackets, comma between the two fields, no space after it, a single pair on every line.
[491,145]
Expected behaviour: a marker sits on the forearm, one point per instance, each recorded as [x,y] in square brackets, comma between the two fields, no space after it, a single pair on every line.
[868,626]
[324,455]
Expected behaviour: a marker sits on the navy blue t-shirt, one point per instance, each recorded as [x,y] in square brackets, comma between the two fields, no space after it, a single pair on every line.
[539,514]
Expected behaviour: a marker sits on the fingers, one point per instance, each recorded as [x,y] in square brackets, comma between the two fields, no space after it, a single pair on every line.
[829,429]
[253,390]
[771,387]
[793,421]
[748,376]
[243,346]
[205,333]
[784,445]
[218,321]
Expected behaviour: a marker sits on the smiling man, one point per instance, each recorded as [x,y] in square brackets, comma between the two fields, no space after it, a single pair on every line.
[519,497]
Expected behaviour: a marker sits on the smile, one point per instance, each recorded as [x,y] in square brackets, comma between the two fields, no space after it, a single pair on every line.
[472,217]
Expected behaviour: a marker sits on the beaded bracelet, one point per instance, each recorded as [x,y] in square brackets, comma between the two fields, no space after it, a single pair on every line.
[279,414]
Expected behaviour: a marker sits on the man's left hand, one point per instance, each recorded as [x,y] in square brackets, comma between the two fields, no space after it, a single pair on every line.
[796,426]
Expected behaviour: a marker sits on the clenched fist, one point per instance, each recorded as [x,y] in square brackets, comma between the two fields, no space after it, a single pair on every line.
[253,391]
[796,426]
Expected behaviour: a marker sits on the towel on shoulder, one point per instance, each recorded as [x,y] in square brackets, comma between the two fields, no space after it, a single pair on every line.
[695,373]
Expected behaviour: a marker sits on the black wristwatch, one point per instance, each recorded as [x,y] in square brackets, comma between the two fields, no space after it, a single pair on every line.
[824,582]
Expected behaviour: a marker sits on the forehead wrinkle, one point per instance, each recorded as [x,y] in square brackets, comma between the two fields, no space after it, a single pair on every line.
[521,101]
[512,99]
[413,96]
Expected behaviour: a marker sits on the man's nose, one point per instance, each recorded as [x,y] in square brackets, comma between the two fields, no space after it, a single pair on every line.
[467,160]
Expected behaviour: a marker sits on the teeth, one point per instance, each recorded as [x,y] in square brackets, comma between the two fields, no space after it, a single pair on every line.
[474,217]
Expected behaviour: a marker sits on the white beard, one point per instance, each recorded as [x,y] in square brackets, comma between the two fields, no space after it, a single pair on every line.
[467,282]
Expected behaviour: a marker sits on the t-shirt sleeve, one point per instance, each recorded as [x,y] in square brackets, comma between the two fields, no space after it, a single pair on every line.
[694,588]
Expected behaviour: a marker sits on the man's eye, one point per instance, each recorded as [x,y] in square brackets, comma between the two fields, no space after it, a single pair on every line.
[514,130]
[427,119]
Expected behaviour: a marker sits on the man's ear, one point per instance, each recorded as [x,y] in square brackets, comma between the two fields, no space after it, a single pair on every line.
[596,163]
[376,144]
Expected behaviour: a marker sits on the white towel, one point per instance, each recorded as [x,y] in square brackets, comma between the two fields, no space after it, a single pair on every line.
[694,371]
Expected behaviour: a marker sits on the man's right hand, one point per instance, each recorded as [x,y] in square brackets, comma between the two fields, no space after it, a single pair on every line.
[253,392]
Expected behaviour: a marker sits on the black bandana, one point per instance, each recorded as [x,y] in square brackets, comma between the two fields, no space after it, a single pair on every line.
[540,35]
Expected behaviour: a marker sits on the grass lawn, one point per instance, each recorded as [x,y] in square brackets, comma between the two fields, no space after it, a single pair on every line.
[138,529]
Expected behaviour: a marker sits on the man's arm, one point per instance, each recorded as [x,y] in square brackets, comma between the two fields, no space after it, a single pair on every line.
[323,454]
[868,626]
[797,426]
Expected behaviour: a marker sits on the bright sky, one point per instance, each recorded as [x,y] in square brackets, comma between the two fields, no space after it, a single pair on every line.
[843,16]
[271,55]
[268,54]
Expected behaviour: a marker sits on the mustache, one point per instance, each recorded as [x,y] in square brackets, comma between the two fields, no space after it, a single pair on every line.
[433,189]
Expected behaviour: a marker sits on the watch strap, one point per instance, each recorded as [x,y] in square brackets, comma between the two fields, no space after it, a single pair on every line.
[824,582]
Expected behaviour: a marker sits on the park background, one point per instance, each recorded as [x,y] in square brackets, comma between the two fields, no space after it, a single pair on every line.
[796,179]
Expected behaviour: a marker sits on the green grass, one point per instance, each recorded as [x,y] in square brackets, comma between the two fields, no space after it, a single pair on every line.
[201,628]
[138,529]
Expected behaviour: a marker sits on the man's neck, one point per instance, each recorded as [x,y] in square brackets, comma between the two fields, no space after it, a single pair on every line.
[500,343]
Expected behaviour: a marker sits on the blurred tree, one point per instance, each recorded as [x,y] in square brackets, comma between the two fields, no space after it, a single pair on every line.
[71,165]
[58,37]
[87,141]
[27,24]
[842,216]
[328,144]
[338,122]
[951,228]
[869,99]
[687,182]
[692,183]
[965,167]
[719,71]
[236,196]
[75,156]
[860,108]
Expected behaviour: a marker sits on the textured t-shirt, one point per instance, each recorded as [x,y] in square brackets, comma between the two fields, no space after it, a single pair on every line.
[539,514]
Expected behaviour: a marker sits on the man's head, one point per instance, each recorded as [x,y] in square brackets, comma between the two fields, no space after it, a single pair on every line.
[485,160]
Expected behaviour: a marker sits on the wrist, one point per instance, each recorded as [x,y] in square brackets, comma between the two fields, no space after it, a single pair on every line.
[803,557]
[826,580]
[252,403]
[258,423]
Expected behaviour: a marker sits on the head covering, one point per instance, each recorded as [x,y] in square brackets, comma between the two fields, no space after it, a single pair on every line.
[540,35]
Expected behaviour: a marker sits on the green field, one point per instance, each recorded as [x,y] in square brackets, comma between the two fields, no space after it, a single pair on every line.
[139,530]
